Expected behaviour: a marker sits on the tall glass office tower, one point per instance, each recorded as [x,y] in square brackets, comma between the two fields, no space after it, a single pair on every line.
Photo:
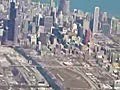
[11,22]
[64,6]
[96,20]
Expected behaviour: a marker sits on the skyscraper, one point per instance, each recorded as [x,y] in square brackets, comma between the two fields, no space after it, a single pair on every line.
[64,6]
[86,24]
[11,22]
[1,30]
[67,6]
[60,18]
[105,17]
[114,22]
[52,3]
[87,37]
[96,20]
[48,23]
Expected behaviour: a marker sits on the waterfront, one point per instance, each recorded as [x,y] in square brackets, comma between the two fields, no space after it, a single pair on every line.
[111,6]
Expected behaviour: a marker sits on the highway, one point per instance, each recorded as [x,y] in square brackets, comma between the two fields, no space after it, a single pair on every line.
[47,66]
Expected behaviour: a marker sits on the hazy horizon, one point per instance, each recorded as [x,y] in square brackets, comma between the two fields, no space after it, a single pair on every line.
[110,6]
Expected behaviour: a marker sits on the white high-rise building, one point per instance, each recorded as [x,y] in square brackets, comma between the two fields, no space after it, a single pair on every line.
[104,17]
[86,24]
[114,25]
[60,19]
[96,20]
[52,3]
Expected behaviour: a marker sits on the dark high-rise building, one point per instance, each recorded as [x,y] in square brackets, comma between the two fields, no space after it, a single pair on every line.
[105,28]
[80,31]
[11,22]
[64,6]
[87,37]
[43,38]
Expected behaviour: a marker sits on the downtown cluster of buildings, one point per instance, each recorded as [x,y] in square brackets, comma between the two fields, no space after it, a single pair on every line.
[26,22]
[34,23]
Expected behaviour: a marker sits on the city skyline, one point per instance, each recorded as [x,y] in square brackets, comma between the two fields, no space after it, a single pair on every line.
[88,5]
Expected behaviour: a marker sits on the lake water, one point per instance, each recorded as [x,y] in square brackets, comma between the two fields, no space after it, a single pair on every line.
[111,6]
